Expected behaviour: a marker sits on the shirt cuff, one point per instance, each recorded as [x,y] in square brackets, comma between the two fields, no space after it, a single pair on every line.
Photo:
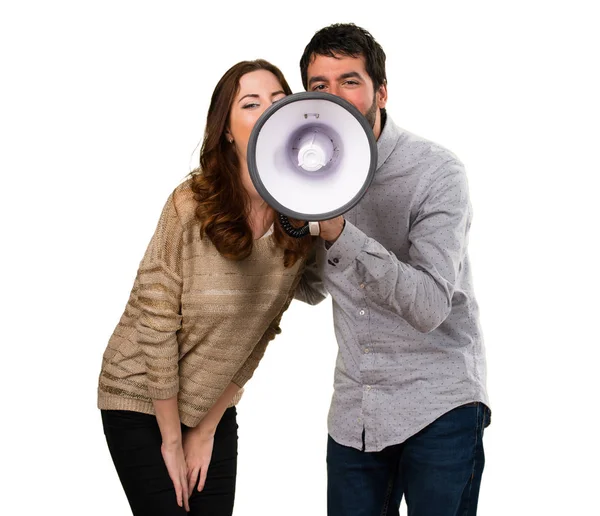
[346,248]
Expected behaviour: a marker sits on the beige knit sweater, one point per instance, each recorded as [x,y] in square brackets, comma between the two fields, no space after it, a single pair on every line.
[195,321]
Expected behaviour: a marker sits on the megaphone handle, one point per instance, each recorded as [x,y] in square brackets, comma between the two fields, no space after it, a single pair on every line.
[291,230]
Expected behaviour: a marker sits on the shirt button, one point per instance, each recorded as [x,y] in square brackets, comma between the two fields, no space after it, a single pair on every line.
[362,312]
[362,285]
[336,260]
[368,387]
[366,350]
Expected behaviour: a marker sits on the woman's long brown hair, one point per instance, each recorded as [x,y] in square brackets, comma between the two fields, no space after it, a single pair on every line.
[223,203]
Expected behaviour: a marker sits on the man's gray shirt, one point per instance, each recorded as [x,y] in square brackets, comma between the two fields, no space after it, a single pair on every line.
[405,314]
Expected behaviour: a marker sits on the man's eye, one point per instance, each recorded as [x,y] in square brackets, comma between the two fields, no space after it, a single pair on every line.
[319,87]
[352,83]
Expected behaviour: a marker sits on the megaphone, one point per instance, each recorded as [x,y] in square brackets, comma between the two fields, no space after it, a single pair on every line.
[311,157]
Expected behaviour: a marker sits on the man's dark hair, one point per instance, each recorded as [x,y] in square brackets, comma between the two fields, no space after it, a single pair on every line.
[349,40]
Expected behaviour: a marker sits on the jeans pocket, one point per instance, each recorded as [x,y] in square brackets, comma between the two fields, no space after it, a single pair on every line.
[487,416]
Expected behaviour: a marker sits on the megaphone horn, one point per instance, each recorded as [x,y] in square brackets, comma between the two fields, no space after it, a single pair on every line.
[311,156]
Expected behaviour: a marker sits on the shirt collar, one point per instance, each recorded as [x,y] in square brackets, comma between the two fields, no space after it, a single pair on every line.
[390,134]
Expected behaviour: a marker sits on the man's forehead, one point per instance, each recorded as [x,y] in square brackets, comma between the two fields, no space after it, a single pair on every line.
[337,64]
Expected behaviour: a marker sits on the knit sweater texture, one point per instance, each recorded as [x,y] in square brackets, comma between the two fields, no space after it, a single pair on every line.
[195,320]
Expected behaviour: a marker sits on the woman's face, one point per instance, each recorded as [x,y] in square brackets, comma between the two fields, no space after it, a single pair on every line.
[258,90]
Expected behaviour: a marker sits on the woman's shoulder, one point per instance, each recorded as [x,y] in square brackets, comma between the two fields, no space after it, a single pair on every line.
[184,201]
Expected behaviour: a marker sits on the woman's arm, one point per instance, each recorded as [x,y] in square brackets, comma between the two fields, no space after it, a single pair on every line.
[167,416]
[198,442]
[209,423]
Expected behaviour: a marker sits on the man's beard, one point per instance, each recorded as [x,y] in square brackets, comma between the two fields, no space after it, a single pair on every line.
[371,114]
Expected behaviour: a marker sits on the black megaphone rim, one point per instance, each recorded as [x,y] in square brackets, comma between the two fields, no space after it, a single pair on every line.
[253,169]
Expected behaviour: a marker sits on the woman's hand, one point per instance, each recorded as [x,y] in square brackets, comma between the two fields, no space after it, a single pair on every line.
[197,447]
[175,461]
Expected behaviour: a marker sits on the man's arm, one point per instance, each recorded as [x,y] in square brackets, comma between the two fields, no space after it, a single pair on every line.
[421,289]
[311,289]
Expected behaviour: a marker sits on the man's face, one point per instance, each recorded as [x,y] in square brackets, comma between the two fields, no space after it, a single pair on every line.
[347,77]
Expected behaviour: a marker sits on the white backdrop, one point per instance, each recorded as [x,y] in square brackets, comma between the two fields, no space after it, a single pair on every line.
[101,107]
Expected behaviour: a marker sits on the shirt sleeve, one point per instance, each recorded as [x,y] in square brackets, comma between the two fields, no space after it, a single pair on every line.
[311,289]
[420,290]
[159,300]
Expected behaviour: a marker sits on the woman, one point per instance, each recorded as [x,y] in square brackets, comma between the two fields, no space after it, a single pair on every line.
[208,297]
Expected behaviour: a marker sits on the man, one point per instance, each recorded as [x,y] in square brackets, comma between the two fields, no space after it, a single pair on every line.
[410,403]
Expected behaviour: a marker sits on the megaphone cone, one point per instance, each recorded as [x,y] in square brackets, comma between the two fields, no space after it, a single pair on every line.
[311,157]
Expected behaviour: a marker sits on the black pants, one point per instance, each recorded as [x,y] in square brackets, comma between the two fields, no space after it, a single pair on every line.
[134,442]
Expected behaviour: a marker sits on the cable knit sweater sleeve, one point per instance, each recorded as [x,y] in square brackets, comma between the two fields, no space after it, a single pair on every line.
[160,283]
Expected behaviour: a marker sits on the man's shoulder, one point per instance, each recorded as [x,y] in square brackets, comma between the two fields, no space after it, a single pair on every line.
[414,151]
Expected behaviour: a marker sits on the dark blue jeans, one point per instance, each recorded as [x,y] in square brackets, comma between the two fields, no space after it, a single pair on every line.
[438,470]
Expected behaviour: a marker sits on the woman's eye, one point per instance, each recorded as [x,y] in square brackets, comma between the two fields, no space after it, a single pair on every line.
[251,105]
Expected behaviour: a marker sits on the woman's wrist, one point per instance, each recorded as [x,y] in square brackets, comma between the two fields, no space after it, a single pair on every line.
[172,441]
[206,427]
